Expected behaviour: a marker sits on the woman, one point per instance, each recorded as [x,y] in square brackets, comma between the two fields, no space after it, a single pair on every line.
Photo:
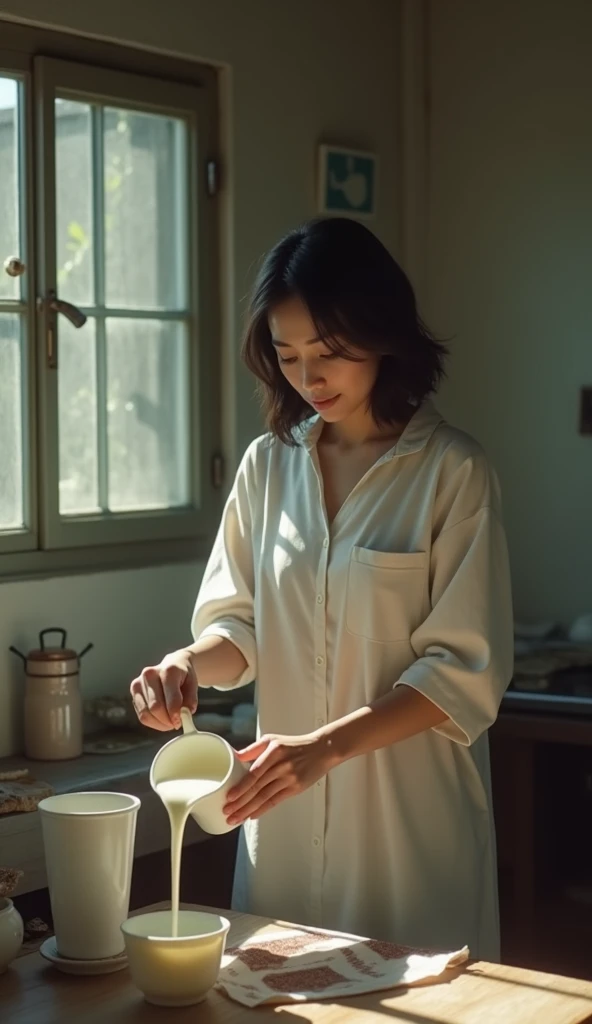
[360,575]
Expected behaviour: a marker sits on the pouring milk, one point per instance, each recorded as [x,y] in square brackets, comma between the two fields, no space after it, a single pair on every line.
[179,796]
[192,775]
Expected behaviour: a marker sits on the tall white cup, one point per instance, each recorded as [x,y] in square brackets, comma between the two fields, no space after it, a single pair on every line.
[89,852]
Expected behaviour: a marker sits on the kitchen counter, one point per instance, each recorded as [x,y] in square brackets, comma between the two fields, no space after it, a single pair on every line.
[32,992]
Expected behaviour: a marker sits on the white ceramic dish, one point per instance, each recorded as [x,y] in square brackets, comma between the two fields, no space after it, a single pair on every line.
[109,965]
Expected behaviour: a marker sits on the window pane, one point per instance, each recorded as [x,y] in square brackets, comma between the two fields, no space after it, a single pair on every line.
[147,411]
[74,182]
[77,391]
[11,419]
[9,176]
[145,210]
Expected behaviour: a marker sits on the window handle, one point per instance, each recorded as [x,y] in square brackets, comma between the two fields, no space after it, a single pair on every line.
[76,317]
[51,305]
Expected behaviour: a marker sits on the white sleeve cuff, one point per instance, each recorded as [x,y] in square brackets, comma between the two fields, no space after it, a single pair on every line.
[243,639]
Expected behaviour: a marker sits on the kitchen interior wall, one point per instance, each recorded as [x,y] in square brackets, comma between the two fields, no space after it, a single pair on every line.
[508,269]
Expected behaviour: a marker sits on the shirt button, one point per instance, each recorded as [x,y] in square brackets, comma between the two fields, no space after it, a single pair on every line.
[320,660]
[316,841]
[320,721]
[319,598]
[325,543]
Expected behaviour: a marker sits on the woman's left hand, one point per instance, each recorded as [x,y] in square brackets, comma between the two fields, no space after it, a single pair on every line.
[282,766]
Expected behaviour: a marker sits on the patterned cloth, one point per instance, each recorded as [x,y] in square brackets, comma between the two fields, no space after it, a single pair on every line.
[296,965]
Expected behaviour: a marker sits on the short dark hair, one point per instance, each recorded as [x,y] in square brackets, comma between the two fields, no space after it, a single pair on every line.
[356,293]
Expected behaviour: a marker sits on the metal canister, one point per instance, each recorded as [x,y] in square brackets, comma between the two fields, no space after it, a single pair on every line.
[53,702]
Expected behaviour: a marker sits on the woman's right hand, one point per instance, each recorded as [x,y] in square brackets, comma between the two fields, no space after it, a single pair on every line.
[160,691]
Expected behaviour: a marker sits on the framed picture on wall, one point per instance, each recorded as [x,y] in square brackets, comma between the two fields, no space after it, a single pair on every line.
[347,181]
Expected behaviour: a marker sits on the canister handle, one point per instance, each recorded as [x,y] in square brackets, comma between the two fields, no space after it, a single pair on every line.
[20,654]
[52,629]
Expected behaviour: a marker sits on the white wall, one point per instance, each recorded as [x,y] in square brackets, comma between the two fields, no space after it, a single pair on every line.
[131,617]
[292,73]
[509,269]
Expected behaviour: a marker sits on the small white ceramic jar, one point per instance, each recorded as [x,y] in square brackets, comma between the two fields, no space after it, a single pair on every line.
[11,933]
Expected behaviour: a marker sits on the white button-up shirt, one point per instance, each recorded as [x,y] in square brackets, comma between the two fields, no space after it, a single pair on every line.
[409,585]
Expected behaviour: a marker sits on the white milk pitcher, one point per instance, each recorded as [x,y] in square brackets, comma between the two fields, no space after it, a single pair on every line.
[203,757]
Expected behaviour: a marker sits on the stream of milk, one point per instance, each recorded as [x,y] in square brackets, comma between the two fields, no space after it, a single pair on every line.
[179,796]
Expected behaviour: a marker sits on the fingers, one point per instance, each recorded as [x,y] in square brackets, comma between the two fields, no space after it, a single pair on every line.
[242,796]
[253,751]
[263,800]
[150,699]
[153,723]
[266,754]
[267,806]
[140,700]
[171,679]
[155,696]
[269,754]
[161,691]
[189,692]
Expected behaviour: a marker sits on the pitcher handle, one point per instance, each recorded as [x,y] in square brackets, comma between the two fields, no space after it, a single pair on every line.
[187,722]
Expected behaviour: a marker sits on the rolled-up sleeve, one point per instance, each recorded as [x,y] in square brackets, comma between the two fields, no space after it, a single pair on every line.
[225,602]
[464,647]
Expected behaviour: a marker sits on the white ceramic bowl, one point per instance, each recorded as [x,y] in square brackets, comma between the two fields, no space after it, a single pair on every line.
[175,971]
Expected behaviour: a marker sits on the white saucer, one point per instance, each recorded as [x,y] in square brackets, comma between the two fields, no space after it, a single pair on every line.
[109,965]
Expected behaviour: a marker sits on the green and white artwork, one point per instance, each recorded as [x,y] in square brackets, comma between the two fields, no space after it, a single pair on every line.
[347,181]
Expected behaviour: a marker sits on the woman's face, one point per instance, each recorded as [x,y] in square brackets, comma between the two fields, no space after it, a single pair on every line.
[335,387]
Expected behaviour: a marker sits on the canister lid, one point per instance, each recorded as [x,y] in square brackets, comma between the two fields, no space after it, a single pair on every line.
[43,653]
[52,654]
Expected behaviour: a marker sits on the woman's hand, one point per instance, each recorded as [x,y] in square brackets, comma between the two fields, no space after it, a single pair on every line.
[282,766]
[162,690]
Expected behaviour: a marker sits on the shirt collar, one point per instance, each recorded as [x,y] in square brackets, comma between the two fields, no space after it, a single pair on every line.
[416,435]
[419,430]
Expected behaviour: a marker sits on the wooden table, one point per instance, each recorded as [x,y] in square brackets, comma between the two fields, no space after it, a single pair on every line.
[33,992]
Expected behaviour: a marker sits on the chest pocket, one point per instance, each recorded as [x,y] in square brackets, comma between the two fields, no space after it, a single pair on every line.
[387,594]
